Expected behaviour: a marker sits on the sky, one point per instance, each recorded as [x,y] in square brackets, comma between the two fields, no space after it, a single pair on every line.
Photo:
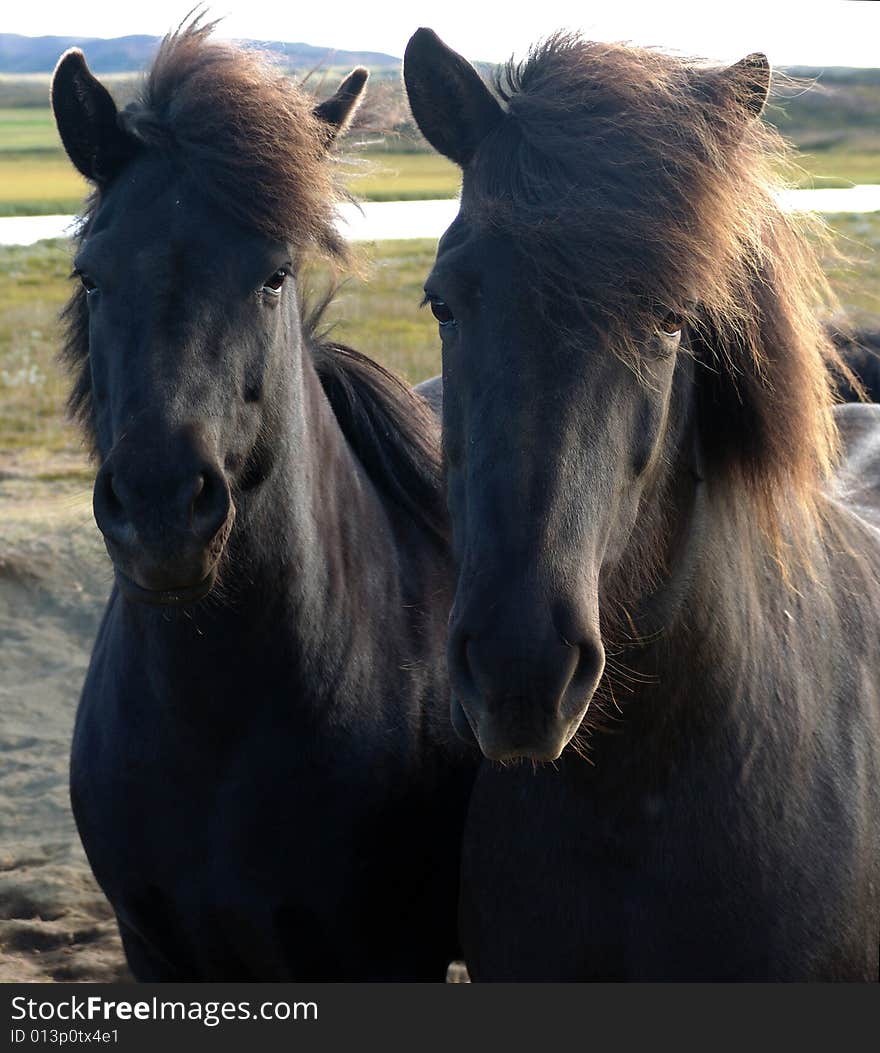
[790,32]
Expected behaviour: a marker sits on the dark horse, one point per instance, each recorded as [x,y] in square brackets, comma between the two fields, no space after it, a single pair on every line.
[261,772]
[638,433]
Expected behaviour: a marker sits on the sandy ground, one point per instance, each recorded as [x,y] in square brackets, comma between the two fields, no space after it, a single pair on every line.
[54,578]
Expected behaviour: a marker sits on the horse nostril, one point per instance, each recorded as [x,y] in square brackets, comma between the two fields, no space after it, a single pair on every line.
[590,664]
[460,667]
[109,507]
[112,499]
[209,504]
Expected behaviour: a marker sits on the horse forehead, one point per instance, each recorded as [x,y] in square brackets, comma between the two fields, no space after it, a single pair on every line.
[474,250]
[159,254]
[172,238]
[153,200]
[177,220]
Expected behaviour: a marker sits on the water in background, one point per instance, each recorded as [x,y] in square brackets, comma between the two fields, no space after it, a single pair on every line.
[396,220]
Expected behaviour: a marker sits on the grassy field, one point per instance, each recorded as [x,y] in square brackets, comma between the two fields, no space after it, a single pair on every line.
[379,315]
[857,283]
[838,167]
[405,177]
[36,177]
[31,185]
[27,128]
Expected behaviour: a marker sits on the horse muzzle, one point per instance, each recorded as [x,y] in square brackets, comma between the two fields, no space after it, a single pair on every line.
[165,532]
[521,694]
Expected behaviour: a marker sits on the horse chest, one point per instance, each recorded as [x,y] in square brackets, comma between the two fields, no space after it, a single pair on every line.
[668,885]
[218,817]
[253,854]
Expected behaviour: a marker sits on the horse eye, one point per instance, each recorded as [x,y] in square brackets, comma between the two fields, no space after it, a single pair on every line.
[86,281]
[671,323]
[275,281]
[442,312]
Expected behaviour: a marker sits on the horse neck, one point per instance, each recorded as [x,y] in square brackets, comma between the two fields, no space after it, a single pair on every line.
[652,584]
[709,621]
[315,539]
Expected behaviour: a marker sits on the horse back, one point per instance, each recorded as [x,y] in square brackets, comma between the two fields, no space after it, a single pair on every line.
[858,478]
[431,390]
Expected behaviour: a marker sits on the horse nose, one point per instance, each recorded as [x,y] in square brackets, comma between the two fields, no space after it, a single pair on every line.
[523,692]
[196,503]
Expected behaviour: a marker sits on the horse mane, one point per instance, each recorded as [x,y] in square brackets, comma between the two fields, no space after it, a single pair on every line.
[390,428]
[633,181]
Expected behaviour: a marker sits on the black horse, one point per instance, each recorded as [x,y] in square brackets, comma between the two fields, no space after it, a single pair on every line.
[261,773]
[639,438]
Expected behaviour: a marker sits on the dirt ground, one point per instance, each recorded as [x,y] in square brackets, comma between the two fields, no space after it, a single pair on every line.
[55,924]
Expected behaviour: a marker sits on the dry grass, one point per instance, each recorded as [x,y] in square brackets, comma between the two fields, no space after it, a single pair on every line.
[39,185]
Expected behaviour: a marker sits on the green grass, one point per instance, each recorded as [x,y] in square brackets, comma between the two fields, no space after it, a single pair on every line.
[405,177]
[838,166]
[28,128]
[36,178]
[31,90]
[857,281]
[378,314]
[35,185]
[40,183]
[33,286]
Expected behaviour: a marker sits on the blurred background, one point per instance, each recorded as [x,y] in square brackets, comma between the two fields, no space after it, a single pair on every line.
[54,578]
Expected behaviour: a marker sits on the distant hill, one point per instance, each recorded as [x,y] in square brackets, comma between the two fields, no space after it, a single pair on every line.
[832,114]
[19,54]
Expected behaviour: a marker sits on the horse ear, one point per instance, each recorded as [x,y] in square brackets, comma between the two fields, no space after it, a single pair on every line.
[452,106]
[86,116]
[338,111]
[745,84]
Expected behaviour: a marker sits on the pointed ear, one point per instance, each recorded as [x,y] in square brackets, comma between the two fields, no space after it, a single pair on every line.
[86,117]
[748,82]
[338,111]
[744,85]
[452,106]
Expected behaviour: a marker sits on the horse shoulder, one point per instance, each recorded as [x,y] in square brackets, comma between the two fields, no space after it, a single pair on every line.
[432,392]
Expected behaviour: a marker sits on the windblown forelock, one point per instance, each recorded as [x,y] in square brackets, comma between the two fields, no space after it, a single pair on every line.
[609,155]
[246,134]
[627,188]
